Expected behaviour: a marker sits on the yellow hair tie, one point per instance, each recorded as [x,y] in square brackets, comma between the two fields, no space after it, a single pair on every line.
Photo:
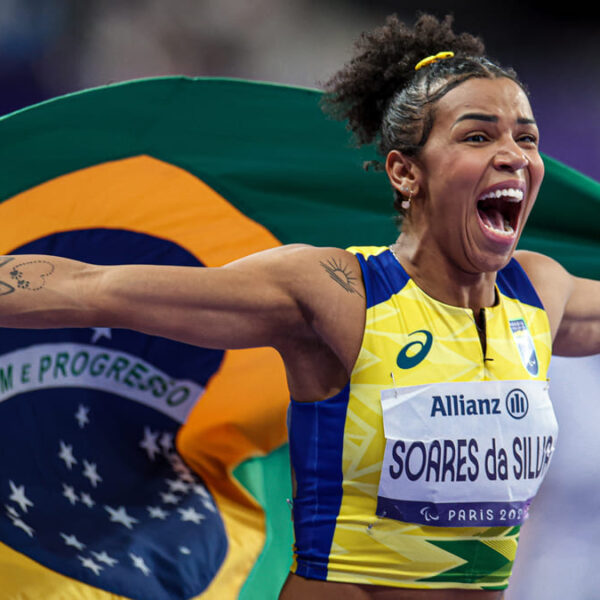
[431,59]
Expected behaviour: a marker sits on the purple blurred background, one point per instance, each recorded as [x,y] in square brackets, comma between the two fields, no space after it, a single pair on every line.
[51,47]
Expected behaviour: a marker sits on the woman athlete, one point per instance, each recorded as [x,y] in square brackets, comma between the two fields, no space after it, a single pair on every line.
[420,426]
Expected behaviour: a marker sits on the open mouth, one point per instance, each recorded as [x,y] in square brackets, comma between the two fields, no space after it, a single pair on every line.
[499,211]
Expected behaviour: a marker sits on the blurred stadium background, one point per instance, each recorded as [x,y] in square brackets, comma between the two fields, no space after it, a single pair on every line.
[53,47]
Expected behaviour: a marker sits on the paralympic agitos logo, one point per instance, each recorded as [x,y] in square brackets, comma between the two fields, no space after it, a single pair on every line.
[414,352]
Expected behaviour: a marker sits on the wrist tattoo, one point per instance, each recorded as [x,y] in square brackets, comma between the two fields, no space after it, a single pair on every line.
[341,274]
[30,276]
[5,288]
[5,259]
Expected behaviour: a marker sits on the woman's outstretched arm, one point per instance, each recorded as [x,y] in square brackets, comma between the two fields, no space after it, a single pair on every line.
[261,300]
[233,306]
[572,304]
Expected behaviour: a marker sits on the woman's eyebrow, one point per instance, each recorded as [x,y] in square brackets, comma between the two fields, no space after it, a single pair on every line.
[491,119]
[526,121]
[477,117]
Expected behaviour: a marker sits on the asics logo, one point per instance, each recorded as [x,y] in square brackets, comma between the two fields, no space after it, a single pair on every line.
[414,352]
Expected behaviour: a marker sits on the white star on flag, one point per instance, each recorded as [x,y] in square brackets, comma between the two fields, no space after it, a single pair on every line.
[169,498]
[166,442]
[11,511]
[156,512]
[87,500]
[22,525]
[101,332]
[139,563]
[149,443]
[90,471]
[186,475]
[181,468]
[81,415]
[71,540]
[69,493]
[90,564]
[208,504]
[201,491]
[184,550]
[120,515]
[177,485]
[18,496]
[66,454]
[190,514]
[105,558]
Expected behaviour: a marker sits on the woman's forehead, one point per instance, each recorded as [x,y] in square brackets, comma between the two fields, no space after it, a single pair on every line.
[500,97]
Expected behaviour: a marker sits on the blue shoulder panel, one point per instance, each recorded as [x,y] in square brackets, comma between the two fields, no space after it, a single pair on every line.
[383,276]
[513,282]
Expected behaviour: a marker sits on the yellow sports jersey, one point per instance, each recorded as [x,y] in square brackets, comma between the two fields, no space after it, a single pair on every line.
[417,356]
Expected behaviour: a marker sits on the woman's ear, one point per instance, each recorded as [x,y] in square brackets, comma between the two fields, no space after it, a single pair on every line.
[402,173]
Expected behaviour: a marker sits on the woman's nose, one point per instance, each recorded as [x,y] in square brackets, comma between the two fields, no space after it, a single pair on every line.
[510,157]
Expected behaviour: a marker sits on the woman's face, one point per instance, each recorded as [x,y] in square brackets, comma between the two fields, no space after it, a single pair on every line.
[478,174]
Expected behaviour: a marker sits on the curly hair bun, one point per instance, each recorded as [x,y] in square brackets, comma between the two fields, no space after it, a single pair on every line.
[384,64]
[386,100]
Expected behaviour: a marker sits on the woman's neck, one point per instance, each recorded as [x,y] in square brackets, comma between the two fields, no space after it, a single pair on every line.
[441,279]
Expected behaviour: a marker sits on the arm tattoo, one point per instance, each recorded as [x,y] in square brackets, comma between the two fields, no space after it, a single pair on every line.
[341,274]
[5,288]
[30,276]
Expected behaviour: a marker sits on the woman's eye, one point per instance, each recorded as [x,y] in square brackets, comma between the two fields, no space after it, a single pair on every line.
[476,137]
[528,139]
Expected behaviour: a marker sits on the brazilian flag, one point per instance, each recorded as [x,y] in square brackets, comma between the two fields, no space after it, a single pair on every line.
[134,467]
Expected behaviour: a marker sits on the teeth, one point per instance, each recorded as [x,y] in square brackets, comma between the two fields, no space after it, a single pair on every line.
[508,229]
[511,194]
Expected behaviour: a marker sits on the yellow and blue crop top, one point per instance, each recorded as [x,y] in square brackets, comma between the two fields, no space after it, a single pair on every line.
[337,444]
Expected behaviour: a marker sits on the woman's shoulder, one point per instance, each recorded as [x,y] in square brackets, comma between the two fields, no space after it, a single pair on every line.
[540,267]
[308,272]
[552,282]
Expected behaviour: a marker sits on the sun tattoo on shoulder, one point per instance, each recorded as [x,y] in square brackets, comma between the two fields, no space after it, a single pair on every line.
[341,274]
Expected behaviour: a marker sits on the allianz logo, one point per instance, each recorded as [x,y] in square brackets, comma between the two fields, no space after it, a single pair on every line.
[516,404]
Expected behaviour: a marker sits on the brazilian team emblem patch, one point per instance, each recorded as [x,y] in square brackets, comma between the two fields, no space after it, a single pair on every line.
[525,345]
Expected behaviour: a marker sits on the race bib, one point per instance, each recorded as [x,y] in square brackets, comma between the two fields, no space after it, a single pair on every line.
[465,454]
